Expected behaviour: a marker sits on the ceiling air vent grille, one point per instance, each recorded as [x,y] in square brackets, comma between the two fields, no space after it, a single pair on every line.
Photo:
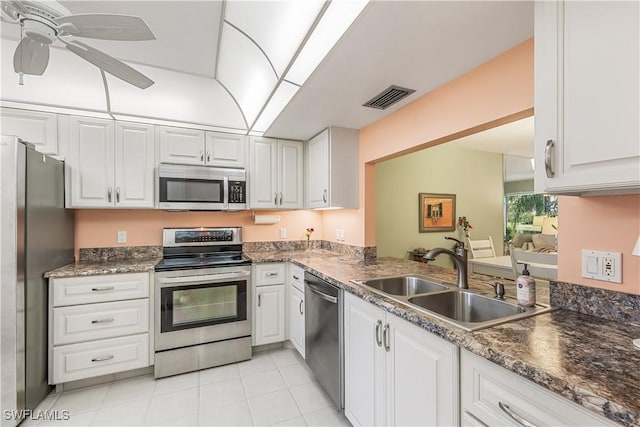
[388,97]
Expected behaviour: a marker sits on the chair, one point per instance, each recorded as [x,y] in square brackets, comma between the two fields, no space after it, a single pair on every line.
[481,248]
[540,265]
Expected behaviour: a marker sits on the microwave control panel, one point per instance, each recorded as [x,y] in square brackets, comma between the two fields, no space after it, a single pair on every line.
[237,192]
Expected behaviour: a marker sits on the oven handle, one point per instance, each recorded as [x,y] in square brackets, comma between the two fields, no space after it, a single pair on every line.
[204,278]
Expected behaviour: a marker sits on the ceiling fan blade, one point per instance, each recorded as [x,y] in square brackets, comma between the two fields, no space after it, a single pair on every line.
[31,57]
[109,64]
[106,27]
[12,9]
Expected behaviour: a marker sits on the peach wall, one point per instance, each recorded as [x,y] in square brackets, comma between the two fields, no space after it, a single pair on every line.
[603,224]
[98,228]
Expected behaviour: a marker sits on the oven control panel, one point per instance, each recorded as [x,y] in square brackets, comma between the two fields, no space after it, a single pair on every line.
[201,236]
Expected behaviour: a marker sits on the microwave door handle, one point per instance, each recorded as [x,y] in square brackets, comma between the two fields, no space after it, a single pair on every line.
[225,197]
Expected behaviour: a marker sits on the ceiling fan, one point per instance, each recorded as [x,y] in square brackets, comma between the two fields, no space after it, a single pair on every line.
[44,22]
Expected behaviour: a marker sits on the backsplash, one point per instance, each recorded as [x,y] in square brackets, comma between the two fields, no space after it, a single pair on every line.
[602,303]
[119,253]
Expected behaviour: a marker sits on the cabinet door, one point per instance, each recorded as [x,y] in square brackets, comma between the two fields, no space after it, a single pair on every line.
[296,319]
[290,177]
[181,146]
[91,162]
[134,160]
[38,128]
[224,149]
[364,363]
[318,171]
[587,95]
[269,319]
[262,173]
[422,377]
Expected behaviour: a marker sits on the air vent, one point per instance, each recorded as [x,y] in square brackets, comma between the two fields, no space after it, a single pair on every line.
[388,97]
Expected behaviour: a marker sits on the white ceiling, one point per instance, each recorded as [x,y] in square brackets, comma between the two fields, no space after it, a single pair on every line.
[515,138]
[415,44]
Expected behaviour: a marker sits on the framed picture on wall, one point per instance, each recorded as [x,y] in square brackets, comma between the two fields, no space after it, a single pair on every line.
[437,212]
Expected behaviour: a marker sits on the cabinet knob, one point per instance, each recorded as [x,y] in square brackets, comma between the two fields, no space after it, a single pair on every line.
[549,158]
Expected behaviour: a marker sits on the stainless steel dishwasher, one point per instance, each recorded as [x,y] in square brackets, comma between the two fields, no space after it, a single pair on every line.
[324,348]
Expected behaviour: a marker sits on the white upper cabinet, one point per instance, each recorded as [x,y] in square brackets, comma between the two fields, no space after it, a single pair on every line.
[197,147]
[181,146]
[275,174]
[36,127]
[225,149]
[587,97]
[110,164]
[332,169]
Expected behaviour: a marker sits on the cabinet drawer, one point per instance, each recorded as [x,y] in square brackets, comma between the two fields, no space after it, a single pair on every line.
[486,387]
[77,361]
[296,277]
[97,321]
[90,289]
[269,274]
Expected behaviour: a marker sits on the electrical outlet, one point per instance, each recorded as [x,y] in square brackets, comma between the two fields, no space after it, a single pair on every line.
[122,237]
[602,265]
[283,233]
[338,234]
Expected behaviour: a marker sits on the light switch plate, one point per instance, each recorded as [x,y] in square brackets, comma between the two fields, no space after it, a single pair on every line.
[602,265]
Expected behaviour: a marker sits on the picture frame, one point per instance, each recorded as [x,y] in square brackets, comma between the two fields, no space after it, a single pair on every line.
[436,212]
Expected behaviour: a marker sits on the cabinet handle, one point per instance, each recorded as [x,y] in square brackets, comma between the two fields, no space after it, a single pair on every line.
[117,194]
[259,299]
[324,196]
[102,358]
[515,417]
[281,199]
[102,288]
[109,320]
[378,331]
[476,419]
[549,159]
[271,274]
[300,307]
[275,198]
[296,277]
[202,156]
[109,194]
[208,156]
[385,337]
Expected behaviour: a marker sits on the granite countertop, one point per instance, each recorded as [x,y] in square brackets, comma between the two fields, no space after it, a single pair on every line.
[92,268]
[589,361]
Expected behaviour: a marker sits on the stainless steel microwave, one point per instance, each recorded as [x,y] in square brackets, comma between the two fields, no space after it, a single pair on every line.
[192,187]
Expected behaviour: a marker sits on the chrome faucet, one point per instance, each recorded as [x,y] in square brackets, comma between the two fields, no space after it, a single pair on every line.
[459,258]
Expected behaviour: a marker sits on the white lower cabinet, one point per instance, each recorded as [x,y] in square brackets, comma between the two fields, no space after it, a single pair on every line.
[268,303]
[295,304]
[396,373]
[493,396]
[98,325]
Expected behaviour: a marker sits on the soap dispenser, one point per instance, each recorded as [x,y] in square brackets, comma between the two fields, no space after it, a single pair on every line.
[526,288]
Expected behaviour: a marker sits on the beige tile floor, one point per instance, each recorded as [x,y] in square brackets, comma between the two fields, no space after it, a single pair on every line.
[275,387]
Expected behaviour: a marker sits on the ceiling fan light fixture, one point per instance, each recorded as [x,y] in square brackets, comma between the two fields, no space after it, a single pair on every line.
[38,32]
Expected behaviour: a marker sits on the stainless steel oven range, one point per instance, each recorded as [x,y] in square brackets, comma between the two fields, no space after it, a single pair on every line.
[202,300]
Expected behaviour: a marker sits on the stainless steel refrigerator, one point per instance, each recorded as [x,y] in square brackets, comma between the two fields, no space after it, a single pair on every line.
[36,235]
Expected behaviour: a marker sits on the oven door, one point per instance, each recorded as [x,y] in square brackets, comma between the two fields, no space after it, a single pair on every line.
[201,305]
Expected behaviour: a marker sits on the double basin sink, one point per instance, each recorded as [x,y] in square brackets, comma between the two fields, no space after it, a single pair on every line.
[463,308]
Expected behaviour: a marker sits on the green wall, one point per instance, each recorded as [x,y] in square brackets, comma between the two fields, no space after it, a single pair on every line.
[475,177]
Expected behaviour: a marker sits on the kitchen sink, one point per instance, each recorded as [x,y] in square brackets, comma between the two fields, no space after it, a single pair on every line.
[403,285]
[463,308]
[466,307]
